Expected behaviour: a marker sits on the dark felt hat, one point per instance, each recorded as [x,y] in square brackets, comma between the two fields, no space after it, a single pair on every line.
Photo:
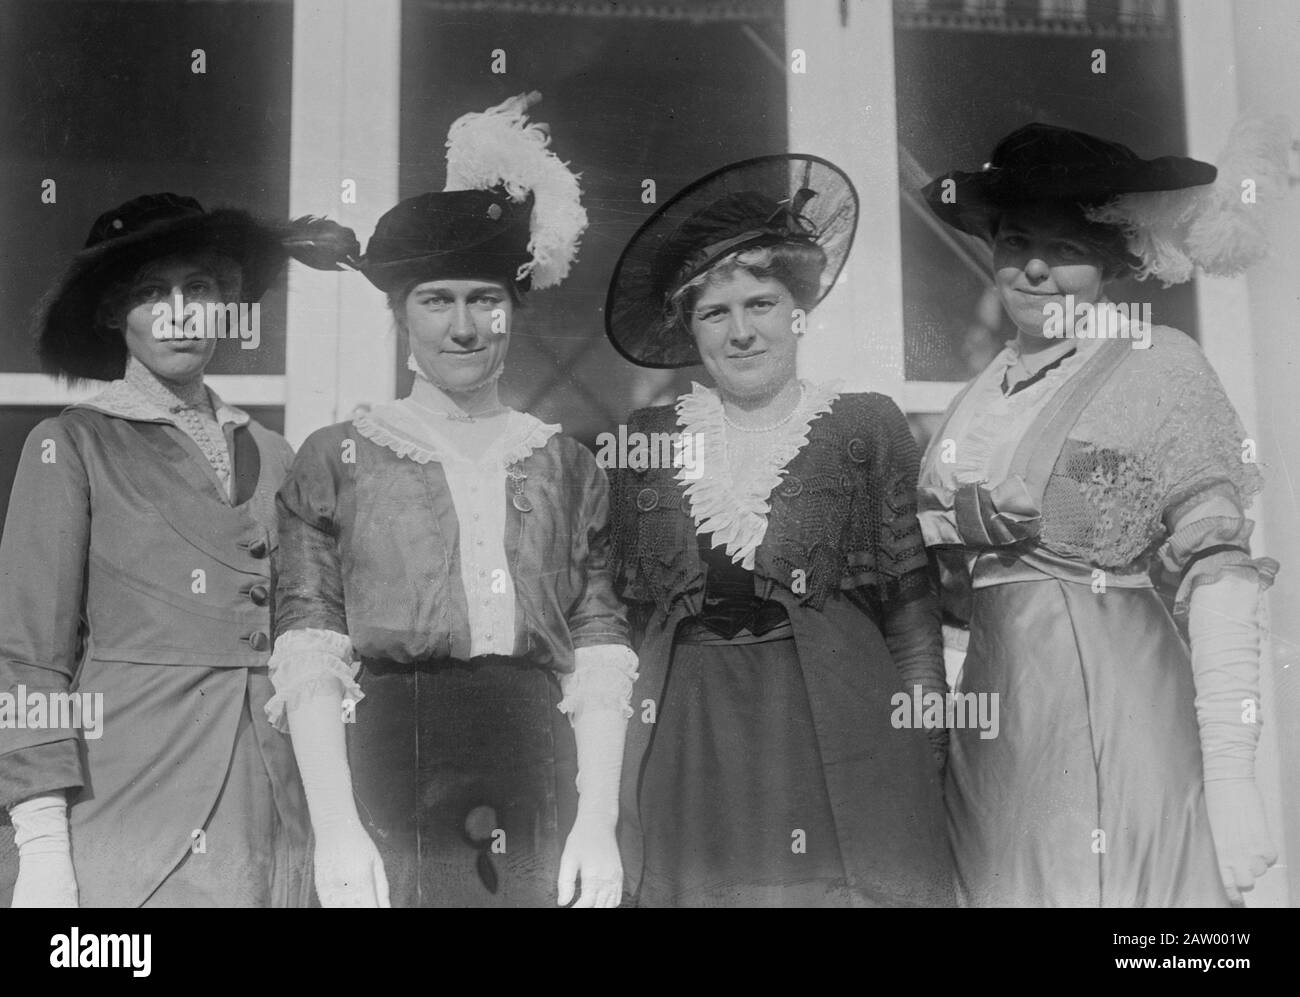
[451,235]
[1046,163]
[760,202]
[70,340]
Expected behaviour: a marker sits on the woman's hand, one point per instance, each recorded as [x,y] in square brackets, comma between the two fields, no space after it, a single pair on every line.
[349,871]
[45,880]
[1241,838]
[591,855]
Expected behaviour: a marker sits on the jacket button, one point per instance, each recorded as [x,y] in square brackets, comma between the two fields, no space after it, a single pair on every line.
[647,499]
[791,486]
[259,594]
[257,548]
[858,450]
[258,640]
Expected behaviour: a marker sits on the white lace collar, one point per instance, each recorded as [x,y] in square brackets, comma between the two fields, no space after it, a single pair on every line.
[410,431]
[126,400]
[735,512]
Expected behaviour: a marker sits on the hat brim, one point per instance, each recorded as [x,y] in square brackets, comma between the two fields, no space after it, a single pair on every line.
[973,201]
[70,342]
[500,267]
[635,303]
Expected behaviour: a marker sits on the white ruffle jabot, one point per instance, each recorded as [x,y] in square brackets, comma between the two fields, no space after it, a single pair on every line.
[732,503]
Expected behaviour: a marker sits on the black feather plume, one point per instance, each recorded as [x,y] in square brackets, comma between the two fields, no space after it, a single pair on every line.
[322,244]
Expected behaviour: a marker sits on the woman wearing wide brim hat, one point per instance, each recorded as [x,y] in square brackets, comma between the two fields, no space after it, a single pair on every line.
[458,549]
[1094,445]
[779,571]
[137,578]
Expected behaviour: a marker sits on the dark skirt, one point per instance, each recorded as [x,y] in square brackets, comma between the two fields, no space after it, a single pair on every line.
[464,774]
[1091,794]
[733,798]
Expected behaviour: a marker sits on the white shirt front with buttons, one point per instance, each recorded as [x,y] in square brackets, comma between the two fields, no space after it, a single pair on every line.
[478,493]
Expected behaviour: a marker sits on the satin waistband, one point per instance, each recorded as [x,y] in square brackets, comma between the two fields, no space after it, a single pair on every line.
[990,568]
[693,631]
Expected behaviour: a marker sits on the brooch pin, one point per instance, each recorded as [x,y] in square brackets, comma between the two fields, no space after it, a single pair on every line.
[517,478]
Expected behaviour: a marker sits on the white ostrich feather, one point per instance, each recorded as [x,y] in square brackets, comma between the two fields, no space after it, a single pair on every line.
[1223,227]
[499,147]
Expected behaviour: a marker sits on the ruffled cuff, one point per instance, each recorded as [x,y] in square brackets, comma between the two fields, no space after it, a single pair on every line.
[601,679]
[1179,554]
[1208,570]
[305,661]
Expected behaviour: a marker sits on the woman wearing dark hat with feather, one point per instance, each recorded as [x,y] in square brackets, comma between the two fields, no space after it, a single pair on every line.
[778,575]
[1123,774]
[458,549]
[135,566]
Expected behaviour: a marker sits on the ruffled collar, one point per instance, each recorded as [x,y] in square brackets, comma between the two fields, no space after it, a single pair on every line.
[143,398]
[734,509]
[411,431]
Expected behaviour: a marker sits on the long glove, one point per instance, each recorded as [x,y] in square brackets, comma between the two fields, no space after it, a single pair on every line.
[1225,665]
[598,706]
[914,638]
[349,871]
[45,874]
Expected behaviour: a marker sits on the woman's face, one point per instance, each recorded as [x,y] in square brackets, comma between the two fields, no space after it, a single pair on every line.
[1039,256]
[744,329]
[154,334]
[459,329]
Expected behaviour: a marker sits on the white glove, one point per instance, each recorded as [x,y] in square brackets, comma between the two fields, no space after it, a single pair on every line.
[1224,635]
[349,871]
[597,699]
[45,874]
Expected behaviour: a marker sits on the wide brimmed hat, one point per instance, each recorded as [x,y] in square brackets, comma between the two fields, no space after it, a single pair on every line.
[1041,162]
[70,340]
[767,201]
[510,211]
[450,235]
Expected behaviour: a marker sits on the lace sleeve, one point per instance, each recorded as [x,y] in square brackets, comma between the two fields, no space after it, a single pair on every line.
[1146,460]
[901,554]
[1210,478]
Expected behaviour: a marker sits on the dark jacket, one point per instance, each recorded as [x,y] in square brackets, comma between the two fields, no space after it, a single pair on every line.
[843,553]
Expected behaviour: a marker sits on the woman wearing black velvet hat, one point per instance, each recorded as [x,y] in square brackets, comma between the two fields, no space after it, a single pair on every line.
[1124,771]
[135,573]
[458,548]
[778,574]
